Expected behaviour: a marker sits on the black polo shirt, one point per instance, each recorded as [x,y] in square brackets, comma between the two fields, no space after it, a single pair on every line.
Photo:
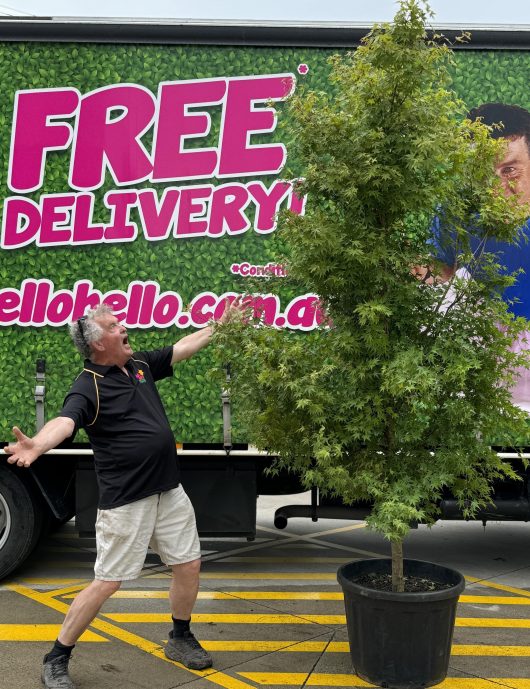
[123,416]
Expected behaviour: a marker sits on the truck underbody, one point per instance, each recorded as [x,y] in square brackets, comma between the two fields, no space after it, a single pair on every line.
[223,488]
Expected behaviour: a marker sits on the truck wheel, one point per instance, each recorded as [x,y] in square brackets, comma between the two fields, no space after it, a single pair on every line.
[20,521]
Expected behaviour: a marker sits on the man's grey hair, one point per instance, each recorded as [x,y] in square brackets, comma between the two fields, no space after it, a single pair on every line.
[85,330]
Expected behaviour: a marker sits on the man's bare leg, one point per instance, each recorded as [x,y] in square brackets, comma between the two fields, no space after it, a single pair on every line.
[85,607]
[182,645]
[184,588]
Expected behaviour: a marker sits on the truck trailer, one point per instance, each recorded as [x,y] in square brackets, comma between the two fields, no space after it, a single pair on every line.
[141,165]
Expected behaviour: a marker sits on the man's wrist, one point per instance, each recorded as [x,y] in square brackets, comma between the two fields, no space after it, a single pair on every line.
[39,448]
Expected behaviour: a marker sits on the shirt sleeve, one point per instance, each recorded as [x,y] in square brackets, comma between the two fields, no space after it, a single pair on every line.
[158,360]
[79,408]
[81,402]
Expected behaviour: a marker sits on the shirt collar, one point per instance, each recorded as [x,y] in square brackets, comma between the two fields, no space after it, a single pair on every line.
[100,369]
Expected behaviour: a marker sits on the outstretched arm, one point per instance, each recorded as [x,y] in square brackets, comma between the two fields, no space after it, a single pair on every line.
[26,450]
[189,345]
[430,274]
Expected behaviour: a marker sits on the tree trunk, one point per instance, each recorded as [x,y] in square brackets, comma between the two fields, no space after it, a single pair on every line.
[398,582]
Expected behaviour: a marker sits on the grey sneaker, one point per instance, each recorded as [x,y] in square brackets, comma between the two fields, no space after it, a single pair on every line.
[188,651]
[55,674]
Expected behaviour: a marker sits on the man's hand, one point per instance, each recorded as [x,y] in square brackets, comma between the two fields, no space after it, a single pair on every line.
[234,309]
[429,276]
[24,452]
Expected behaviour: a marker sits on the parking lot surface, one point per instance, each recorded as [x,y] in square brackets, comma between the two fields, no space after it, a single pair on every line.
[270,611]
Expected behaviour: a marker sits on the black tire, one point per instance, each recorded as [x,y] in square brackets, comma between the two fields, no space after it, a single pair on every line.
[20,520]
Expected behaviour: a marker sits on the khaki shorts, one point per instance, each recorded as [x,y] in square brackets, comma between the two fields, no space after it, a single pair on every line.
[164,522]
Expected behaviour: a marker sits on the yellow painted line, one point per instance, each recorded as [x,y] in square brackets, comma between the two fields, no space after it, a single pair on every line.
[244,618]
[301,576]
[49,632]
[491,622]
[343,647]
[478,650]
[500,587]
[221,618]
[219,595]
[495,600]
[40,632]
[135,594]
[277,595]
[268,646]
[272,595]
[306,576]
[301,679]
[43,581]
[485,683]
[211,675]
[289,560]
[341,680]
[71,592]
[130,595]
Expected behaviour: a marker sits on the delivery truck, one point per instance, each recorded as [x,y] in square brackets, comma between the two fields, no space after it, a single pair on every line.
[142,164]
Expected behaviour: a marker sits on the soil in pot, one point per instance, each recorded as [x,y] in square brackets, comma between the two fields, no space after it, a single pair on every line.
[383,582]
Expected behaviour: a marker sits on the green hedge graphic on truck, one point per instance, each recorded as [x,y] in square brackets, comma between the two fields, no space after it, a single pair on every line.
[157,195]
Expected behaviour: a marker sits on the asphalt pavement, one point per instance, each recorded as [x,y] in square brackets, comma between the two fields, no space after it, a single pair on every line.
[270,610]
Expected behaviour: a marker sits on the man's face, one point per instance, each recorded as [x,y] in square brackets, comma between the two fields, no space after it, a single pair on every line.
[514,169]
[113,346]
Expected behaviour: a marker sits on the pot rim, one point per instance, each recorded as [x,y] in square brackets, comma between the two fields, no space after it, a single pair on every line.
[453,591]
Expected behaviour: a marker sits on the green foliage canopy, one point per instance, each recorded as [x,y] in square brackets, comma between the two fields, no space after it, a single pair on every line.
[397,398]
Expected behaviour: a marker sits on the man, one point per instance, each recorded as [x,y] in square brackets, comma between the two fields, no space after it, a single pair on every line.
[514,121]
[514,172]
[141,502]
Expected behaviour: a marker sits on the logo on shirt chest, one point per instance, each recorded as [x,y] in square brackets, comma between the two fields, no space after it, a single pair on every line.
[140,376]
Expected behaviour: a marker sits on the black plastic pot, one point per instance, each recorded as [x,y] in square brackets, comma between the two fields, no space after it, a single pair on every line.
[400,640]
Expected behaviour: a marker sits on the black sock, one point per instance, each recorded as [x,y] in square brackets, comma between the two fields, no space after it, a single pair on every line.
[180,626]
[58,649]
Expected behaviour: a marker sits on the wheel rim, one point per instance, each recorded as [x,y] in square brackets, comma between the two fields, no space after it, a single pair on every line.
[5,521]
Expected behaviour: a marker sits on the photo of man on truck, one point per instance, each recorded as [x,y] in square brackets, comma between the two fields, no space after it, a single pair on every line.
[141,501]
[512,123]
